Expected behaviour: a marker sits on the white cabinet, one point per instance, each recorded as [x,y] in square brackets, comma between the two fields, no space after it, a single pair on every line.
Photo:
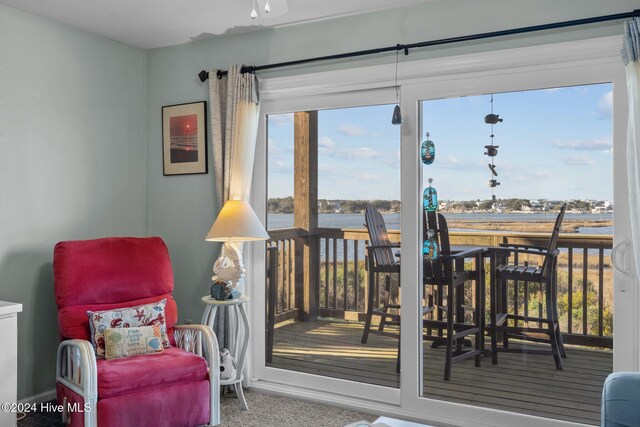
[9,358]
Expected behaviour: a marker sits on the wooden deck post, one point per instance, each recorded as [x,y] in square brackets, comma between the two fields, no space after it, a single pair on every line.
[305,216]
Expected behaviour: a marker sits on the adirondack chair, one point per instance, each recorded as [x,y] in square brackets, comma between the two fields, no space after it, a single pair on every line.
[380,259]
[446,275]
[511,325]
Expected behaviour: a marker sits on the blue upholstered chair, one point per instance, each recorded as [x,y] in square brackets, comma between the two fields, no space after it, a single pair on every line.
[621,400]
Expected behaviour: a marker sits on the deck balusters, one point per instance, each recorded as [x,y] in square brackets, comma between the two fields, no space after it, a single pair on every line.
[344,297]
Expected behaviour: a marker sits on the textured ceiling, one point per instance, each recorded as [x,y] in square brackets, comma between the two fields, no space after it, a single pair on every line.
[158,23]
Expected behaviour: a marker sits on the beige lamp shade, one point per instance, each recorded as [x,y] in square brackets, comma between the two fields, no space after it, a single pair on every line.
[238,222]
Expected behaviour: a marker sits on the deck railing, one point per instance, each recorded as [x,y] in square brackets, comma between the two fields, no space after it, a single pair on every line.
[585,277]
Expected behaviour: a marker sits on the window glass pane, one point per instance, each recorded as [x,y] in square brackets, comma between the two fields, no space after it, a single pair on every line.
[553,146]
[324,168]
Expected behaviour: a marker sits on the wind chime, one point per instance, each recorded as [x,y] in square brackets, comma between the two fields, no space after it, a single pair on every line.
[430,249]
[492,150]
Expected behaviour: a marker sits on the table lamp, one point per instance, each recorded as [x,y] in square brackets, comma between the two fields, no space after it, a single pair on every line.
[236,223]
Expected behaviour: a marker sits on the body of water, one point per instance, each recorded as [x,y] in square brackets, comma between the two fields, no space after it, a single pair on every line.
[392,220]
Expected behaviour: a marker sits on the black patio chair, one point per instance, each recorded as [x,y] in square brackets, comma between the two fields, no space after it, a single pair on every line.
[545,328]
[380,260]
[446,275]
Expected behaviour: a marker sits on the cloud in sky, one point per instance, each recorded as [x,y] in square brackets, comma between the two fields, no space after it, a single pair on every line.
[454,162]
[276,148]
[326,142]
[596,144]
[349,129]
[281,119]
[605,106]
[365,153]
[327,147]
[279,166]
[353,130]
[577,160]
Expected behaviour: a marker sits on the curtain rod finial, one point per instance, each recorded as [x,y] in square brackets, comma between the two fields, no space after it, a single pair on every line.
[203,76]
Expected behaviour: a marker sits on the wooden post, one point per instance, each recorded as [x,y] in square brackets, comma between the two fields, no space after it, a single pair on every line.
[305,216]
[272,297]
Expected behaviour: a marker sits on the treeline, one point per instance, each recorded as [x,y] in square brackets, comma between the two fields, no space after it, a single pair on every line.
[284,205]
[515,204]
[508,204]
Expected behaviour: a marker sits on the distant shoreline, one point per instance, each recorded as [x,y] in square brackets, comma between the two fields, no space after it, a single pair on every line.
[539,222]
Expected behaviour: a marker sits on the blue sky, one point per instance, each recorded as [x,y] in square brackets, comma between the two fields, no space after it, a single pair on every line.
[553,143]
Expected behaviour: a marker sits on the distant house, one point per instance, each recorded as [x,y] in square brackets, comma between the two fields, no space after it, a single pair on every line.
[536,205]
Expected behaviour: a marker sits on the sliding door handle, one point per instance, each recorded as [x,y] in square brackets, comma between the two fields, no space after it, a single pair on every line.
[621,250]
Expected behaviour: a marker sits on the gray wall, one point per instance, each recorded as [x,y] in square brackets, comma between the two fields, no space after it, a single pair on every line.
[73,128]
[181,209]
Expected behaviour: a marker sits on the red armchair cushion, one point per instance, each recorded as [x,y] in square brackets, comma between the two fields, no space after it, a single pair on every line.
[111,270]
[117,377]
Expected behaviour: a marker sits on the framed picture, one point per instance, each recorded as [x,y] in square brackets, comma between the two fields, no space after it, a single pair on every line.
[184,138]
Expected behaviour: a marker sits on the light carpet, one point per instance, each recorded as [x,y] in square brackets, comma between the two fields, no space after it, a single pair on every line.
[265,410]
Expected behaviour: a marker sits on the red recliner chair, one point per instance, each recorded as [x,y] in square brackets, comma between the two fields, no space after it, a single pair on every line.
[177,387]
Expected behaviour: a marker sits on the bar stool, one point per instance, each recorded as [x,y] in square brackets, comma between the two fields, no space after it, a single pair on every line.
[545,275]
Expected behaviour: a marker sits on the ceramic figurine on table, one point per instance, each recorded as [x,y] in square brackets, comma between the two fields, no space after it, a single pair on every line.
[220,290]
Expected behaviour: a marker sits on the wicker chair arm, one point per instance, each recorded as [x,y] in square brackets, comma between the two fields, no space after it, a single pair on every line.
[201,340]
[76,369]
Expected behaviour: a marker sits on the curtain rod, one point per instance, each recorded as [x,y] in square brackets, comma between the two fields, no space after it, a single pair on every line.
[204,75]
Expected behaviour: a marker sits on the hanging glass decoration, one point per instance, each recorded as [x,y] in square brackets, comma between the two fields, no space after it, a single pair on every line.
[430,247]
[430,198]
[428,151]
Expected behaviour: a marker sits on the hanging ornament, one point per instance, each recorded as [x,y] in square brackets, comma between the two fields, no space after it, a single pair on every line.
[430,198]
[428,151]
[492,150]
[492,119]
[396,119]
[430,247]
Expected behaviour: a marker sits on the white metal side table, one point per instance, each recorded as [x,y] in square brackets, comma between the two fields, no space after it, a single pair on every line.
[236,311]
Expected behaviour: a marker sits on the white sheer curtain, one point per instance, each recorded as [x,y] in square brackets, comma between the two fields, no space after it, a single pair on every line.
[631,58]
[234,112]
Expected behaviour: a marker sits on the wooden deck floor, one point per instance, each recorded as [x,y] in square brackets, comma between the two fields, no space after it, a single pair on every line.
[527,384]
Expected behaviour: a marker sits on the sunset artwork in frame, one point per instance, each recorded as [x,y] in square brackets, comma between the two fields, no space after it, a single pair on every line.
[184,138]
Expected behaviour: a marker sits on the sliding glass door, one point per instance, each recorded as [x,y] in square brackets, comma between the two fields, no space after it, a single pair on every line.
[516,135]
